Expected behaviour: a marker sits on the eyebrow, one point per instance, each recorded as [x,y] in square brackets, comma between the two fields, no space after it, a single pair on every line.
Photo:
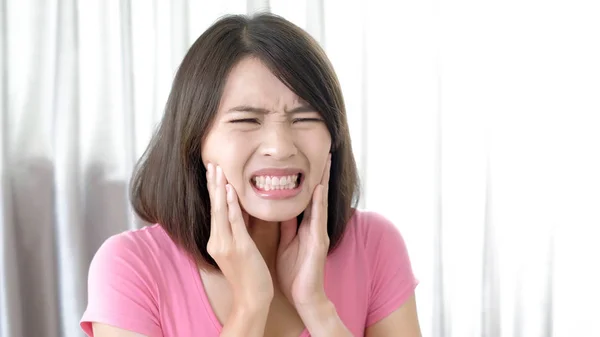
[249,108]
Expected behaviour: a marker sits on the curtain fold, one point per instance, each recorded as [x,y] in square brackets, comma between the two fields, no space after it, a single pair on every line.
[474,126]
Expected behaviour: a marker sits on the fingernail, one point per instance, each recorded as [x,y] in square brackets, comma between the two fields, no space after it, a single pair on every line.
[219,171]
[209,169]
[229,194]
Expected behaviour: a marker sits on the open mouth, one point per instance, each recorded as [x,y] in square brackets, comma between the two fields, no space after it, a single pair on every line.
[274,183]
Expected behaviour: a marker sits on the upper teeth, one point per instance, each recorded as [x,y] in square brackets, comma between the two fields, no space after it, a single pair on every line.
[276,182]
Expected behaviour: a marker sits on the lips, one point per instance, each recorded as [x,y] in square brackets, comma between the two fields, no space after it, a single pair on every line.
[279,172]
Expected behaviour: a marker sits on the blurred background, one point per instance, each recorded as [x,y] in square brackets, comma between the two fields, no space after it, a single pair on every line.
[475,124]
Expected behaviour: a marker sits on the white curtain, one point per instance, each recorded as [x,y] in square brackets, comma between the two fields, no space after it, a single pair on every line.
[476,126]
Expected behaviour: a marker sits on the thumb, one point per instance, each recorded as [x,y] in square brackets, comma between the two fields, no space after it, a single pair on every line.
[246,218]
[288,232]
[245,214]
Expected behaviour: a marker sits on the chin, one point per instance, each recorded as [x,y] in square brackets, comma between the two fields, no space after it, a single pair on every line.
[274,213]
[273,216]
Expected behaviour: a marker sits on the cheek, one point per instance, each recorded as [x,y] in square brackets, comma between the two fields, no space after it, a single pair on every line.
[209,147]
[316,147]
[232,154]
[227,152]
[315,142]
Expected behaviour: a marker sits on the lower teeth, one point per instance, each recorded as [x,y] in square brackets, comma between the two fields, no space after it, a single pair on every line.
[271,188]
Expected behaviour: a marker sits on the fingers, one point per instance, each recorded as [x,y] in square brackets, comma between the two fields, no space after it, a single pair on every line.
[319,211]
[317,193]
[218,203]
[326,173]
[325,183]
[320,200]
[235,215]
[210,181]
[288,232]
[227,218]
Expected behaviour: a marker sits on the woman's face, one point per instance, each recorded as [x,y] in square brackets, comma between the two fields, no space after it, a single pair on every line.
[271,145]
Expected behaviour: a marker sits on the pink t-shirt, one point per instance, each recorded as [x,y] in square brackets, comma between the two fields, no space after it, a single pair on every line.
[141,281]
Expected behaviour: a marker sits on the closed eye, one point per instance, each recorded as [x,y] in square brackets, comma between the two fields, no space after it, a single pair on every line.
[296,120]
[245,120]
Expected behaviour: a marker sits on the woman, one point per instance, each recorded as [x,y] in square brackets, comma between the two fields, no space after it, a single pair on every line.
[250,182]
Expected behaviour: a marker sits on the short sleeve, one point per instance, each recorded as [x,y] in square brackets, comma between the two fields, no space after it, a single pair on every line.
[392,278]
[121,290]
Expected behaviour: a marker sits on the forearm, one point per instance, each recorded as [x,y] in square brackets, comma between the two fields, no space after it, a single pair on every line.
[323,321]
[246,322]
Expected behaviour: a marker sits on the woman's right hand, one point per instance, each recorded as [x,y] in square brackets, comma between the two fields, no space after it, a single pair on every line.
[231,246]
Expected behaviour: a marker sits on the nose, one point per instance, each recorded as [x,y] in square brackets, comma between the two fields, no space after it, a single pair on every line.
[278,142]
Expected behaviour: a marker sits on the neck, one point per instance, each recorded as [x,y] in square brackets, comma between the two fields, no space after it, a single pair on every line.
[266,237]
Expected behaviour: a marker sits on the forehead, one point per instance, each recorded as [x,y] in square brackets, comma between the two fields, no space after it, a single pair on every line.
[251,82]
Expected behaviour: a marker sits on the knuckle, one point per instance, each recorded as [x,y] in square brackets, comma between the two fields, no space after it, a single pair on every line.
[212,250]
[323,242]
[244,248]
[323,248]
[234,217]
[223,251]
[216,208]
[218,250]
[211,246]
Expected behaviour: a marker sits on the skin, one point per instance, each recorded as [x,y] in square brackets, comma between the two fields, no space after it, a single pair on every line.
[242,142]
[272,277]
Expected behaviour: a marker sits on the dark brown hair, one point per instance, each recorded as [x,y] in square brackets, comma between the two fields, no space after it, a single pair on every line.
[169,184]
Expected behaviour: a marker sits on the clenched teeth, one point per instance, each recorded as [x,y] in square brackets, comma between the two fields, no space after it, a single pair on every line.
[269,183]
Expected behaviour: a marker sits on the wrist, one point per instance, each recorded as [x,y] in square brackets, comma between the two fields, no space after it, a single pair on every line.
[252,301]
[322,319]
[317,300]
[251,307]
[317,310]
[246,320]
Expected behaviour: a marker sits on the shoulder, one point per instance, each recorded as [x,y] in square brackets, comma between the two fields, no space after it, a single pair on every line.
[374,239]
[381,245]
[137,253]
[123,281]
[144,243]
[389,269]
[370,228]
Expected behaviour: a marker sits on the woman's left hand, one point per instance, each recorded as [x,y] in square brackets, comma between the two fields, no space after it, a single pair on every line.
[301,256]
